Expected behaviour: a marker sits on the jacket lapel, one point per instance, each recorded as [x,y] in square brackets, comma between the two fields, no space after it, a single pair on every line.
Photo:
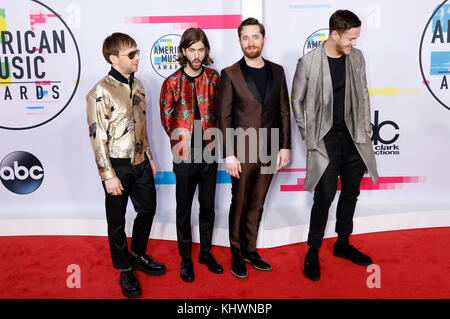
[354,106]
[327,95]
[269,86]
[250,82]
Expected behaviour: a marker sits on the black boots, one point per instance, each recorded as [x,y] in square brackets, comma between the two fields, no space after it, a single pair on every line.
[129,284]
[312,267]
[342,249]
[148,265]
[349,252]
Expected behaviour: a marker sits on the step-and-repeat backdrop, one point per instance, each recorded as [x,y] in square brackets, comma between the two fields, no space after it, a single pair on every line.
[50,57]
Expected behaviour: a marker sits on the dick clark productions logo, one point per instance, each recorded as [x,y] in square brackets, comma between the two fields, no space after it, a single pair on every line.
[39,64]
[21,172]
[434,54]
[384,136]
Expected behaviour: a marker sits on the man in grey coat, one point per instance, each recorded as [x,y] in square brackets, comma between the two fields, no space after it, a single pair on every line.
[331,107]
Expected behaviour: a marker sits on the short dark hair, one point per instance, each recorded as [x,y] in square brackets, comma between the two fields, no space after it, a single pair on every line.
[251,21]
[189,37]
[113,43]
[343,20]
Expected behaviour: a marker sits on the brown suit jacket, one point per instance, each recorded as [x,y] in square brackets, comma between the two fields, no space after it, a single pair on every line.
[239,105]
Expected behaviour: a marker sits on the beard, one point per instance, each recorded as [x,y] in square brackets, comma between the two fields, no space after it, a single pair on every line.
[252,54]
[193,66]
[343,49]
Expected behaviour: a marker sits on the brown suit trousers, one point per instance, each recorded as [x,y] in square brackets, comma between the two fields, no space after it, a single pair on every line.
[240,106]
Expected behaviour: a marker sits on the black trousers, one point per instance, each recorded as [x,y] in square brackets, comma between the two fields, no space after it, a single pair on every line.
[188,176]
[139,185]
[346,163]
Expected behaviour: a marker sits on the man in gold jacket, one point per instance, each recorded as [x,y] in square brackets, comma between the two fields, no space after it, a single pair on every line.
[118,133]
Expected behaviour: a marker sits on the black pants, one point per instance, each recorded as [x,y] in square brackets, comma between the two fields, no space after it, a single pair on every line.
[188,176]
[139,185]
[345,162]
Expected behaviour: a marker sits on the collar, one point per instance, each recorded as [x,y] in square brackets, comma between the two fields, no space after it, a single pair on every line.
[192,78]
[119,76]
[244,64]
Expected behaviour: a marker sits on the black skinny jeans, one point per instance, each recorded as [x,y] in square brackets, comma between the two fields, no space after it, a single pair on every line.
[139,185]
[346,163]
[188,176]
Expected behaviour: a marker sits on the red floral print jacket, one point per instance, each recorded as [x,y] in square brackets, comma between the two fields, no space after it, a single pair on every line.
[177,102]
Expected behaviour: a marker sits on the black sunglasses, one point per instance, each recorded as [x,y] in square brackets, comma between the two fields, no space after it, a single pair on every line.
[132,54]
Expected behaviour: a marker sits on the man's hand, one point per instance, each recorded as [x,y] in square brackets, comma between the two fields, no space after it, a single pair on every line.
[283,158]
[114,186]
[233,166]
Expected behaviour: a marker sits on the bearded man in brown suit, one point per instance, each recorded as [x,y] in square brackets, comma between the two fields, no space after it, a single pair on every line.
[253,110]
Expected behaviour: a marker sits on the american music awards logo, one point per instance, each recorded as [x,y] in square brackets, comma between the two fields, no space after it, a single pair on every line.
[164,53]
[315,39]
[434,54]
[39,64]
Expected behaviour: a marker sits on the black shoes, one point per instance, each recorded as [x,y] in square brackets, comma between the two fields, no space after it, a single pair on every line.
[342,250]
[187,267]
[349,252]
[187,270]
[147,265]
[256,261]
[238,267]
[312,266]
[128,281]
[129,284]
[213,265]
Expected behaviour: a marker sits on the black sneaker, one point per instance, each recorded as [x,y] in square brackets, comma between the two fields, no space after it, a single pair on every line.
[148,265]
[312,267]
[129,284]
[349,252]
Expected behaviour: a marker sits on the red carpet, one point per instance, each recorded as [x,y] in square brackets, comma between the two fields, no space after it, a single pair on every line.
[413,264]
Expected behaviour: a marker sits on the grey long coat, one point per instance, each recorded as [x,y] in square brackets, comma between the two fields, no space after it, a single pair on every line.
[312,103]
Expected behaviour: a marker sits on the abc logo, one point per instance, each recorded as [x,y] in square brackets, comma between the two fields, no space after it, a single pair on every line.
[376,137]
[21,172]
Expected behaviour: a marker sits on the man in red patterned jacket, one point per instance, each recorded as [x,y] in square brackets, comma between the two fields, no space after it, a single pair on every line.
[188,115]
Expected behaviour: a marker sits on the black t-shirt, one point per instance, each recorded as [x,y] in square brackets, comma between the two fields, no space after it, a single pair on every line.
[192,80]
[259,75]
[197,117]
[337,70]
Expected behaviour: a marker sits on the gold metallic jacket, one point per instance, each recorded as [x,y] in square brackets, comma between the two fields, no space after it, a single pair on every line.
[117,123]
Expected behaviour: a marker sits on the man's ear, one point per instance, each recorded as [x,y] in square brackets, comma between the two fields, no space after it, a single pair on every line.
[113,59]
[334,35]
